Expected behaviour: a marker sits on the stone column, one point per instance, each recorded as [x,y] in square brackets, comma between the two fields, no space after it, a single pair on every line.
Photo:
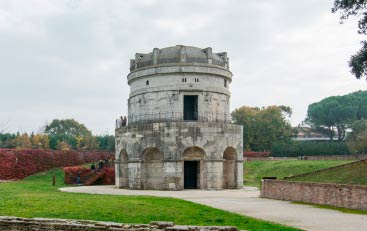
[173,172]
[239,173]
[117,174]
[135,174]
[214,173]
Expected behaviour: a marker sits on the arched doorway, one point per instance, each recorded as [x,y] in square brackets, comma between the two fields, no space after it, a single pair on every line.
[152,169]
[124,169]
[193,168]
[229,168]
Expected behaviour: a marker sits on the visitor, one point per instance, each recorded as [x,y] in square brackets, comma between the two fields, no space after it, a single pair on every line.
[100,165]
[124,121]
[78,178]
[93,167]
[106,162]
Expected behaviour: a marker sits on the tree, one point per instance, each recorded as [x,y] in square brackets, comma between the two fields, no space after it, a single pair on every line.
[106,142]
[62,145]
[40,141]
[358,62]
[338,112]
[2,127]
[7,140]
[68,127]
[23,142]
[263,126]
[69,131]
[357,139]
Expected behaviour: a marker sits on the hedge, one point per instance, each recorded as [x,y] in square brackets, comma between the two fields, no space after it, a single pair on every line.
[256,154]
[309,148]
[17,164]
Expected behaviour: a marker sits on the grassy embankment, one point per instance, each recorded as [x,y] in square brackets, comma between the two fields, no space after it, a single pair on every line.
[255,170]
[35,197]
[355,173]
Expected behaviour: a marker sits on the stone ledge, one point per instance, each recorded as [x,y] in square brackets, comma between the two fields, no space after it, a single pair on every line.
[20,224]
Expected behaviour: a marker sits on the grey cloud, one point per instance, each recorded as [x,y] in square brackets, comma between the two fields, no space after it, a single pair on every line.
[62,59]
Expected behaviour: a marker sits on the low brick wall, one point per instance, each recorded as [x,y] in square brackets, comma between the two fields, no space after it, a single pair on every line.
[339,195]
[248,159]
[327,157]
[338,157]
[26,224]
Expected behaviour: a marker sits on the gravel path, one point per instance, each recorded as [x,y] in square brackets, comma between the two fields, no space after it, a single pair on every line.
[246,201]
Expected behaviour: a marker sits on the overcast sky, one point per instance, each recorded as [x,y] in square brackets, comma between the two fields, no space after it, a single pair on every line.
[70,59]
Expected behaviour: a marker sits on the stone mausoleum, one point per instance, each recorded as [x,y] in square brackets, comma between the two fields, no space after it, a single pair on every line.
[178,133]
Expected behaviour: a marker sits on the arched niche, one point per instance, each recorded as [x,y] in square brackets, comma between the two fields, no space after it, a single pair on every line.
[229,168]
[193,153]
[152,169]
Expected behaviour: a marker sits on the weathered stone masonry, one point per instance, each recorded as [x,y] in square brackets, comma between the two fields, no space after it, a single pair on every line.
[178,133]
[43,224]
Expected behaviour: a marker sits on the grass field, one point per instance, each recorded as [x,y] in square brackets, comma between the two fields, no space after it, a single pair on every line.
[35,197]
[255,170]
[349,174]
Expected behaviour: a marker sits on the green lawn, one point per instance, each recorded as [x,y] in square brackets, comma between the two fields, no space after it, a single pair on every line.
[349,174]
[255,170]
[35,197]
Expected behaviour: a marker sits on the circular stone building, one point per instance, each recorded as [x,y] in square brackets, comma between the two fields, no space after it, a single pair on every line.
[178,133]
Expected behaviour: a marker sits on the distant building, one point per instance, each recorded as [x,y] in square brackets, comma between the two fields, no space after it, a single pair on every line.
[310,134]
[178,133]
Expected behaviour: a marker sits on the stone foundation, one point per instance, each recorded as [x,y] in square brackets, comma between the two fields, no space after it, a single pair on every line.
[153,155]
[43,224]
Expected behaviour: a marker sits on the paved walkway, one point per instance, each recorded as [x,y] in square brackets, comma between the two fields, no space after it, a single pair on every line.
[247,202]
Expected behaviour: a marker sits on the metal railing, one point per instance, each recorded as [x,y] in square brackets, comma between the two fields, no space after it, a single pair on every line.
[171,116]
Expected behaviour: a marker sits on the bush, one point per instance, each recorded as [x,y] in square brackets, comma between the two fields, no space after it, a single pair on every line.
[255,154]
[309,148]
[18,164]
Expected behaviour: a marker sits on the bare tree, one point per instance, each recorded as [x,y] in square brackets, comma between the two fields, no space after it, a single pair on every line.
[3,127]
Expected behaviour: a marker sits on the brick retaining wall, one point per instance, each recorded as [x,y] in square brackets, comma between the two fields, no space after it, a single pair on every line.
[326,157]
[338,195]
[338,157]
[38,224]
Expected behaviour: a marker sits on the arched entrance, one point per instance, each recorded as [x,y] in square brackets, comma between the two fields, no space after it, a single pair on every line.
[193,168]
[229,168]
[124,169]
[152,169]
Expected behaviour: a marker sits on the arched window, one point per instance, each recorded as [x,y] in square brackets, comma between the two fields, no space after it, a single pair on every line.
[147,82]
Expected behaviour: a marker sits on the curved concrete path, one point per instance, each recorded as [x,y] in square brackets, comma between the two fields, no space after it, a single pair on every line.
[246,201]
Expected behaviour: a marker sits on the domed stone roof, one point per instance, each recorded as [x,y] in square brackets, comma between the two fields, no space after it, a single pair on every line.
[179,55]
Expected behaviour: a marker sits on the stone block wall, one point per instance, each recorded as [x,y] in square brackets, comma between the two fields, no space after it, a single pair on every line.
[38,224]
[159,150]
[338,195]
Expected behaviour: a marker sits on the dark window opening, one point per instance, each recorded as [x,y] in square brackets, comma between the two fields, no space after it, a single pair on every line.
[225,83]
[190,107]
[147,83]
